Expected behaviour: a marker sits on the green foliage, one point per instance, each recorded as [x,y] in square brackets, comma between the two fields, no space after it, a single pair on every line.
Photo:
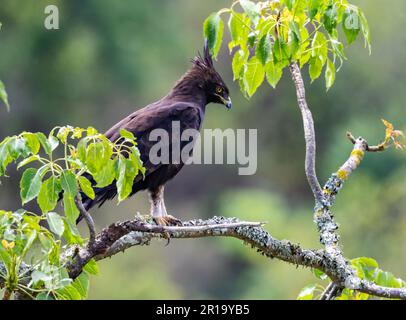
[367,269]
[22,232]
[270,35]
[213,28]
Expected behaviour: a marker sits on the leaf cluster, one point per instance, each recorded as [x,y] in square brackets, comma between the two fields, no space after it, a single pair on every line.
[267,36]
[67,164]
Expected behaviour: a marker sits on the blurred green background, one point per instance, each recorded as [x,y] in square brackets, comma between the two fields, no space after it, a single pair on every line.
[112,57]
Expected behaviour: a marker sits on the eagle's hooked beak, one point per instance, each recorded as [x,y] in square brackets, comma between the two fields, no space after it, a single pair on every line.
[228,103]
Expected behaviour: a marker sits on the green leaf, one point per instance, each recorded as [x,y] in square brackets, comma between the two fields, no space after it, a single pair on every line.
[17,147]
[6,257]
[239,30]
[81,284]
[55,253]
[315,67]
[71,233]
[5,157]
[126,174]
[254,75]
[63,134]
[238,64]
[338,49]
[330,18]
[46,242]
[365,267]
[106,175]
[213,29]
[86,187]
[236,27]
[49,194]
[97,155]
[71,211]
[252,9]
[281,54]
[53,142]
[32,142]
[69,293]
[82,146]
[304,58]
[365,29]
[68,183]
[44,296]
[289,4]
[44,142]
[273,73]
[3,95]
[330,74]
[294,37]
[264,49]
[31,237]
[30,185]
[37,276]
[387,279]
[315,6]
[134,158]
[55,222]
[351,25]
[91,267]
[318,55]
[307,293]
[127,134]
[252,37]
[319,47]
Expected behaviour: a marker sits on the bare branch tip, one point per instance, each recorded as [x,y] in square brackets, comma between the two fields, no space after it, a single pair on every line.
[351,137]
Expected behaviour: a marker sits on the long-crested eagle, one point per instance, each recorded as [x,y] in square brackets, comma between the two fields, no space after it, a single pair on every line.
[186,104]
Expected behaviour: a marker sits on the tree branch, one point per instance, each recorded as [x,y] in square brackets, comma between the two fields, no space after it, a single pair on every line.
[123,235]
[310,136]
[323,217]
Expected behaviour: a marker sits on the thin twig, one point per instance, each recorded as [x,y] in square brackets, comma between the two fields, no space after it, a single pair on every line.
[331,292]
[89,220]
[378,148]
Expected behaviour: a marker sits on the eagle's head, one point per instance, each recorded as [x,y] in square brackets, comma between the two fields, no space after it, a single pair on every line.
[211,82]
[202,82]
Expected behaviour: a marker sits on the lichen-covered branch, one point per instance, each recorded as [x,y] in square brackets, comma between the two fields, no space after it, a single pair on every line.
[323,217]
[123,235]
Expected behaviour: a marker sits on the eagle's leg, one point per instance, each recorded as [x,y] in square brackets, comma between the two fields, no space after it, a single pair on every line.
[158,209]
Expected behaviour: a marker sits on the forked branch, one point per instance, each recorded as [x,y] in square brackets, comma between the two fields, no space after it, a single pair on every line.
[325,198]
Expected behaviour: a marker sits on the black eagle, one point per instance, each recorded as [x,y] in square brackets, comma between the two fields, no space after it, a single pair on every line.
[186,104]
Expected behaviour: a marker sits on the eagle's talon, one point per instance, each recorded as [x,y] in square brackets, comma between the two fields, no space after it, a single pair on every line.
[167,220]
[174,221]
[167,236]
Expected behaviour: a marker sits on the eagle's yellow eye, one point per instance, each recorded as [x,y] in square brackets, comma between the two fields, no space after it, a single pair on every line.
[219,90]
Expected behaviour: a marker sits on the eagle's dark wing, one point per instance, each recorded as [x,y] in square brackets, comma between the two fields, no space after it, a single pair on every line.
[141,123]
